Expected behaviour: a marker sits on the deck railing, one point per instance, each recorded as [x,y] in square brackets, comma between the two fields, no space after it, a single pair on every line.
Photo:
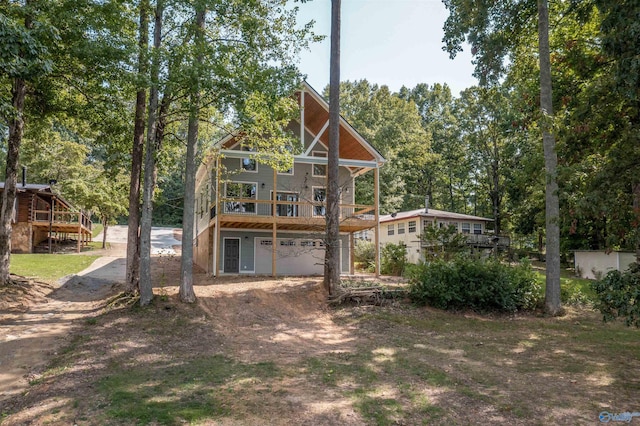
[302,209]
[62,217]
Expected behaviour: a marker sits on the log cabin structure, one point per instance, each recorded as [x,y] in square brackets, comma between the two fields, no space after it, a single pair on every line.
[41,215]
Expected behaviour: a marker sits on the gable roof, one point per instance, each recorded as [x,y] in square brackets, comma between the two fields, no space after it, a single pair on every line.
[316,114]
[431,213]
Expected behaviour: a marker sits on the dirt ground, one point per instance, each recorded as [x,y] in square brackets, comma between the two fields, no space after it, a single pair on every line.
[61,345]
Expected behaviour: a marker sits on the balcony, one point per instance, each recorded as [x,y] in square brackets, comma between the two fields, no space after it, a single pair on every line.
[289,215]
[62,220]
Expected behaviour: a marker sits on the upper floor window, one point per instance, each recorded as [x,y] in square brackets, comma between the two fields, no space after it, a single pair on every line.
[240,190]
[390,229]
[319,169]
[248,164]
[400,228]
[412,226]
[319,196]
[466,228]
[477,228]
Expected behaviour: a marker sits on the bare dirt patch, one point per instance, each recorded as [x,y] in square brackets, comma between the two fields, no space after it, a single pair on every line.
[254,350]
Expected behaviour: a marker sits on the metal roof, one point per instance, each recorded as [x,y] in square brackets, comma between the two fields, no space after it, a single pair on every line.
[431,213]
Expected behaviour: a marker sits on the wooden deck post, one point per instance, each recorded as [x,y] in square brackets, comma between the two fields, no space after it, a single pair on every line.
[376,203]
[352,261]
[216,241]
[274,226]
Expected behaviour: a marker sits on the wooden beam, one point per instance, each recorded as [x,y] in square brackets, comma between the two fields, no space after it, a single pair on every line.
[216,240]
[317,138]
[352,261]
[274,229]
[302,128]
[376,204]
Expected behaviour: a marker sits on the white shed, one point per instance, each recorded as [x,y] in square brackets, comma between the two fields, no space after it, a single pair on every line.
[595,264]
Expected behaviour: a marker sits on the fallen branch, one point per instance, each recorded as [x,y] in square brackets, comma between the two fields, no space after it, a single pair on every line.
[366,295]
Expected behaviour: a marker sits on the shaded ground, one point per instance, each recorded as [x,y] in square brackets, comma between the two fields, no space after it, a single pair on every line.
[261,351]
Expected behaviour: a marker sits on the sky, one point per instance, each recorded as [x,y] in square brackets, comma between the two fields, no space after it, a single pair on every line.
[387,42]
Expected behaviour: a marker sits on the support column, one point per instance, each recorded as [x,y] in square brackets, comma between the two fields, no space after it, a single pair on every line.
[216,240]
[376,204]
[274,226]
[352,261]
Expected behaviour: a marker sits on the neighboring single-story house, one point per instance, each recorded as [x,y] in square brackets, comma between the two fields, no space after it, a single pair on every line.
[33,222]
[593,264]
[407,227]
[252,219]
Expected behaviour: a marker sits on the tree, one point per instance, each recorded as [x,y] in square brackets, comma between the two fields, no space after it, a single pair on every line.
[332,252]
[494,32]
[552,212]
[24,57]
[137,152]
[186,292]
[393,126]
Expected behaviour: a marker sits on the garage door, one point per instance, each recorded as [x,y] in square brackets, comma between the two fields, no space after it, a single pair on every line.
[294,256]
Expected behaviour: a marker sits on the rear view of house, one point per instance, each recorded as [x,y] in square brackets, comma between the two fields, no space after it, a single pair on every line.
[253,219]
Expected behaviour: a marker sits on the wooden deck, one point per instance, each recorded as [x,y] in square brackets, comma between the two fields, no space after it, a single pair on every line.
[64,222]
[289,215]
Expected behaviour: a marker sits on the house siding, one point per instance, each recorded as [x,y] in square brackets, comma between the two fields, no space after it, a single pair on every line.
[247,246]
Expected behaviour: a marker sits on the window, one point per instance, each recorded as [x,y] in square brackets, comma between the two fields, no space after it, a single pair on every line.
[454,224]
[266,242]
[390,230]
[240,190]
[466,228]
[248,164]
[287,209]
[412,226]
[400,228]
[307,243]
[319,196]
[319,169]
[477,228]
[287,243]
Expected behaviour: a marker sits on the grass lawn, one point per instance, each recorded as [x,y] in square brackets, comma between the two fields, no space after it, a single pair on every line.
[49,267]
[573,290]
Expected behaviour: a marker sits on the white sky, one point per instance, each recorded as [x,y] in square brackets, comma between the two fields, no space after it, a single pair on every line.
[387,42]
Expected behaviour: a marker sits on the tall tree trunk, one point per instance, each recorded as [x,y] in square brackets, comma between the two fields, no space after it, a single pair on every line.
[105,227]
[16,130]
[133,236]
[332,253]
[636,212]
[186,292]
[150,171]
[552,302]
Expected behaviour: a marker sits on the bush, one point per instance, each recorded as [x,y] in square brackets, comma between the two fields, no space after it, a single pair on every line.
[478,284]
[394,259]
[364,252]
[618,295]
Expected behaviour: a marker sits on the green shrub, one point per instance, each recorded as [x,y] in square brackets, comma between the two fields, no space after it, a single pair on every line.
[618,295]
[394,259]
[364,252]
[478,284]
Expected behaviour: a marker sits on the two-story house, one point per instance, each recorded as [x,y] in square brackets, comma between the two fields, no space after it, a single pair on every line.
[407,228]
[254,219]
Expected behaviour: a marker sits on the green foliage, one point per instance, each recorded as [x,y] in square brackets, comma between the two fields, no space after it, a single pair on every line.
[478,284]
[365,253]
[393,259]
[618,295]
[443,242]
[49,267]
